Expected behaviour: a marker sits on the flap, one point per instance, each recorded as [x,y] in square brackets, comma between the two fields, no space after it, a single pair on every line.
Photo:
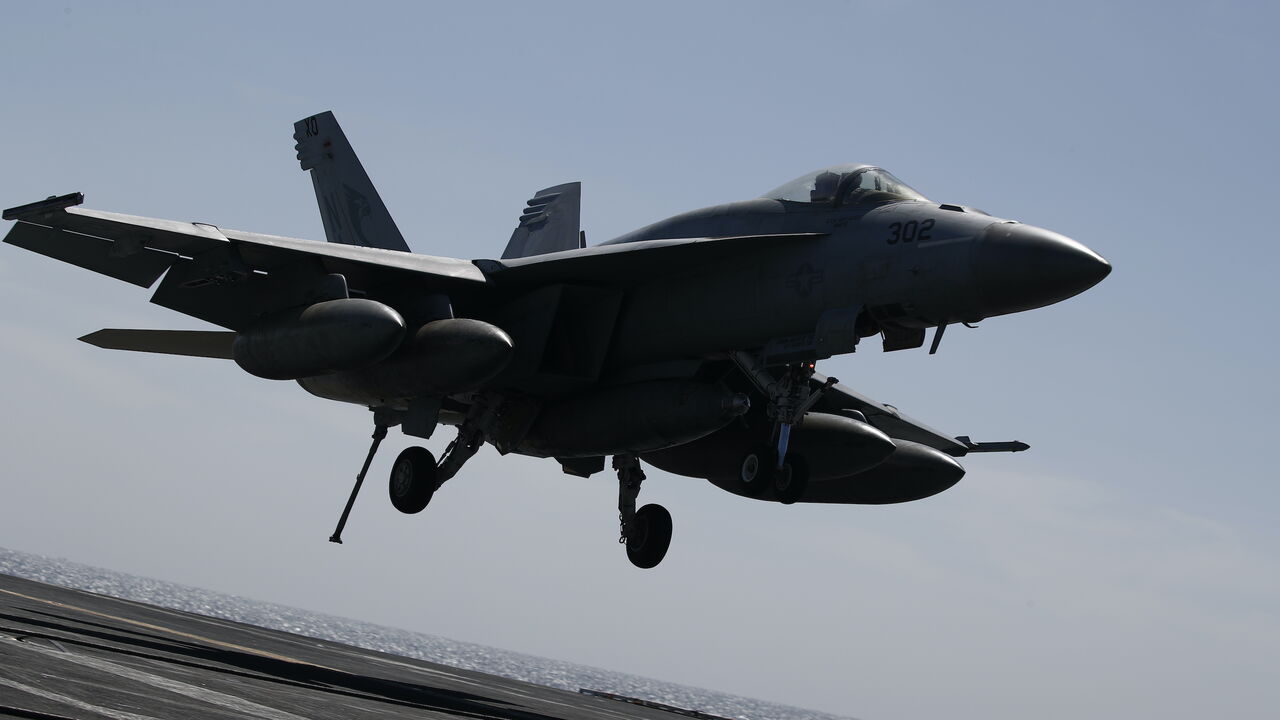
[283,249]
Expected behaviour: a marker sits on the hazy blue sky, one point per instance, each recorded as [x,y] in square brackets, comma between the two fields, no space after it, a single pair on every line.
[1128,566]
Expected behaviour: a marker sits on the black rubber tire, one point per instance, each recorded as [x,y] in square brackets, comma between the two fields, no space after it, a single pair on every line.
[413,480]
[649,536]
[790,484]
[755,471]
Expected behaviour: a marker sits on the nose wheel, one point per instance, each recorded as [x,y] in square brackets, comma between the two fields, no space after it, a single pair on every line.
[791,480]
[772,469]
[646,533]
[760,475]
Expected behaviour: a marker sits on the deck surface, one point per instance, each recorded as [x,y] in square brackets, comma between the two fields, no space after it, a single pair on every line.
[72,654]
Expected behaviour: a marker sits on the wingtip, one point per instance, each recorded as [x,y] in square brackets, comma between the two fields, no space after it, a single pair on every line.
[51,204]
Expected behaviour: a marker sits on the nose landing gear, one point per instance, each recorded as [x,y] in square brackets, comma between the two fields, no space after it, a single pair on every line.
[646,533]
[760,476]
[770,467]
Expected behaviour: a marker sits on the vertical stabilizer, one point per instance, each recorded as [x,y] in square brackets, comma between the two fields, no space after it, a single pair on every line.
[549,223]
[353,213]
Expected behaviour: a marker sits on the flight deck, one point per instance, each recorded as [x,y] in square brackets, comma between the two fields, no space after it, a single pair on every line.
[73,654]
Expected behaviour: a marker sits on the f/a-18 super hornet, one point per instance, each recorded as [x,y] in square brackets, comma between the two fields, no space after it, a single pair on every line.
[689,344]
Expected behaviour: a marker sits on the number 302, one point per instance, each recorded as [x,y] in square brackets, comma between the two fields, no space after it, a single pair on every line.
[910,231]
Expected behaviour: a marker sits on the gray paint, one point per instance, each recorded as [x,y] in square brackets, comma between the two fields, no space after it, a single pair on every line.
[618,349]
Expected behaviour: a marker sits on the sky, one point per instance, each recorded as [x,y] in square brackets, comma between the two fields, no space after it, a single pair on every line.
[1127,566]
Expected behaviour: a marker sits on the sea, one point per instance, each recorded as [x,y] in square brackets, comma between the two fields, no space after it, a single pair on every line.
[433,648]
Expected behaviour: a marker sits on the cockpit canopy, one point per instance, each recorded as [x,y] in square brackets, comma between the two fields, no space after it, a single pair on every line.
[846,185]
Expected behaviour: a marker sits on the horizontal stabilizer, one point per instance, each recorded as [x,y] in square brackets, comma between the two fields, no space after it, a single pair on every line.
[193,343]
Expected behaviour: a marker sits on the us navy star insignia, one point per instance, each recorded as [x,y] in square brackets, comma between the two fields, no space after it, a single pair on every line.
[805,279]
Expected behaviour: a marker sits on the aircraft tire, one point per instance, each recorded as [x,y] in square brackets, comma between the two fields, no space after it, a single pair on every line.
[649,536]
[756,470]
[790,483]
[413,480]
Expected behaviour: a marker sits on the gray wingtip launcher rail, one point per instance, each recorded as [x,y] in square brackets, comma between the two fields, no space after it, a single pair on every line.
[43,207]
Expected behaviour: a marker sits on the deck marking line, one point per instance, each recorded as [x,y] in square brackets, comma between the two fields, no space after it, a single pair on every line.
[72,702]
[171,631]
[213,697]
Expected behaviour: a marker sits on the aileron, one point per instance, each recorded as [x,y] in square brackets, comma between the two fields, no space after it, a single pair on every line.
[138,266]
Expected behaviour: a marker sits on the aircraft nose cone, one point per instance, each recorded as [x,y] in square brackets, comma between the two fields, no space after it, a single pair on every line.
[1019,267]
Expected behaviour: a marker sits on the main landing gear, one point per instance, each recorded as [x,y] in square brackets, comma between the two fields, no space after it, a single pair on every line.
[413,480]
[770,469]
[415,475]
[645,532]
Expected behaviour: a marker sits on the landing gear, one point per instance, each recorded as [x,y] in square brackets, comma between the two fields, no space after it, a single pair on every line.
[415,475]
[646,533]
[790,397]
[413,480]
[755,471]
[759,475]
[791,480]
[649,536]
[380,423]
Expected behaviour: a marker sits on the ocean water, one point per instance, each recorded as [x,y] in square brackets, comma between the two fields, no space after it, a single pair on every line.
[469,656]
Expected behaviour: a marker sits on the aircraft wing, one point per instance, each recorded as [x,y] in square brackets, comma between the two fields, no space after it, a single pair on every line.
[226,277]
[895,424]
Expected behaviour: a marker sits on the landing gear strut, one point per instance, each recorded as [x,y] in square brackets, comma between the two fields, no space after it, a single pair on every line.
[790,397]
[415,475]
[646,532]
[379,432]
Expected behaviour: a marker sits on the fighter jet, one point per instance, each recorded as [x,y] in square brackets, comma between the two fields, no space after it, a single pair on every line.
[690,344]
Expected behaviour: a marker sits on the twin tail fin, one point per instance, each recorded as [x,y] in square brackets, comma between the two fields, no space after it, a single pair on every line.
[352,211]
